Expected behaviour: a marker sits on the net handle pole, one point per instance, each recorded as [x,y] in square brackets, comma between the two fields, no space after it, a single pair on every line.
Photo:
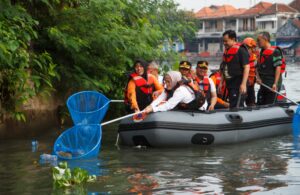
[264,85]
[239,101]
[120,118]
[117,101]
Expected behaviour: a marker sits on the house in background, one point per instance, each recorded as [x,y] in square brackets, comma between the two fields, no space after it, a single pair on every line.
[275,17]
[247,20]
[288,38]
[212,22]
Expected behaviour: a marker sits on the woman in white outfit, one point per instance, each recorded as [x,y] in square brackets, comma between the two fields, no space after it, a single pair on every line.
[173,95]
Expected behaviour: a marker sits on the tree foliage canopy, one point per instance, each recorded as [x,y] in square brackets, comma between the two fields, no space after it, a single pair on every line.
[69,45]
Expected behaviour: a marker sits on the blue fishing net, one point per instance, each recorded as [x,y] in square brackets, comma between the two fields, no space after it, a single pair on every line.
[87,107]
[296,123]
[80,141]
[296,133]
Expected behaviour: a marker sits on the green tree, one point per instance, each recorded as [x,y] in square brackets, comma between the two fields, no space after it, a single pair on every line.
[23,73]
[71,45]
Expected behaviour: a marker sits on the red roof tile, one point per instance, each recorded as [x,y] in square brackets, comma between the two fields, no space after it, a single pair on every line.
[278,7]
[204,12]
[218,11]
[263,5]
[262,8]
[256,9]
[225,10]
[295,4]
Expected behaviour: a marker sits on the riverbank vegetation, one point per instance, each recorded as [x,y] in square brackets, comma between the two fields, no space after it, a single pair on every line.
[61,46]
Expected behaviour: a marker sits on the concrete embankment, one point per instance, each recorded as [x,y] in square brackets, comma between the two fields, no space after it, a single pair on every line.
[41,114]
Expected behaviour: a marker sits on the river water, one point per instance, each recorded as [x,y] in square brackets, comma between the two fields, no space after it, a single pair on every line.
[268,166]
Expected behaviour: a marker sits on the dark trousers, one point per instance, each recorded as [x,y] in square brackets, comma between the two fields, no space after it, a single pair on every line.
[218,106]
[250,99]
[234,96]
[265,96]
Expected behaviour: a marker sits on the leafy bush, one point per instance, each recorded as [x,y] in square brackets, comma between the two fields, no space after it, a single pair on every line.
[65,177]
[23,73]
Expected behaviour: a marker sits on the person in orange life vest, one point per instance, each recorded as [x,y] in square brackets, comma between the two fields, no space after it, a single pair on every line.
[235,68]
[206,84]
[250,43]
[222,92]
[141,86]
[269,69]
[173,95]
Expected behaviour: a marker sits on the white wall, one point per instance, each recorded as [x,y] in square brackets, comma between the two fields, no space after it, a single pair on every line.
[213,47]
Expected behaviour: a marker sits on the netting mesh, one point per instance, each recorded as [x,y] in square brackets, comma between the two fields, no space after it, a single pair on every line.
[296,123]
[80,141]
[87,110]
[296,133]
[87,107]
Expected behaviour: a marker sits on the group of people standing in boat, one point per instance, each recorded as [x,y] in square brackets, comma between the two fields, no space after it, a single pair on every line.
[232,85]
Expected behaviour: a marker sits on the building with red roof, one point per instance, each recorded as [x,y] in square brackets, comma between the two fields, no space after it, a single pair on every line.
[214,20]
[247,23]
[274,17]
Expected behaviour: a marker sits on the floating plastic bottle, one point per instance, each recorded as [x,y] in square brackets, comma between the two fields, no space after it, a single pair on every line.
[34,145]
[48,157]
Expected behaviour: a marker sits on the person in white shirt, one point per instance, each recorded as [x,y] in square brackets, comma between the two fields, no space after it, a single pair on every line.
[173,95]
[206,84]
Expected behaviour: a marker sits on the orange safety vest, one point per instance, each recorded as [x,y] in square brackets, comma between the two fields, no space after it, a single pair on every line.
[205,84]
[144,90]
[252,72]
[269,52]
[218,77]
[231,52]
[223,92]
[145,86]
[206,87]
[230,66]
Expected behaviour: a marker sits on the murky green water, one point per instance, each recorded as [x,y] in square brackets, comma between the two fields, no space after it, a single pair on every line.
[269,166]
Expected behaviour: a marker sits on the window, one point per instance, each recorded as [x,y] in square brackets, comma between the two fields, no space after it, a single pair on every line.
[252,24]
[200,24]
[273,24]
[245,24]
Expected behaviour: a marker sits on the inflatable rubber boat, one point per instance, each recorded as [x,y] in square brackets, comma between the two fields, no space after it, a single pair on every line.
[180,128]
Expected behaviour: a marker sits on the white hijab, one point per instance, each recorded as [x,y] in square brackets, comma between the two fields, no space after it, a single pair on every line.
[175,77]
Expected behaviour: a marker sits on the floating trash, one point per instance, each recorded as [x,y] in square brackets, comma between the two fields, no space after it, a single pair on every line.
[48,158]
[34,145]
